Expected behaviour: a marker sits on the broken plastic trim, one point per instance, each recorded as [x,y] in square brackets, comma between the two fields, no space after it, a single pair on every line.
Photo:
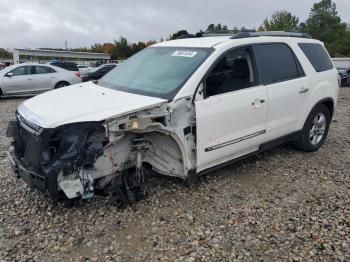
[66,149]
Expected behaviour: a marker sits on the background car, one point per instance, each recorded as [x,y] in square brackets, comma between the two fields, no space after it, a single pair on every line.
[344,74]
[84,69]
[30,79]
[2,66]
[70,66]
[98,72]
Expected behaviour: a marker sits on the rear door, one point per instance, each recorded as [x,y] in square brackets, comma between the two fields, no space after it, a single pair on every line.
[44,78]
[231,117]
[20,82]
[286,86]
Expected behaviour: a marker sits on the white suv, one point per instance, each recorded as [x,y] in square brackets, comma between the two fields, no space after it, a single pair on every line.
[179,108]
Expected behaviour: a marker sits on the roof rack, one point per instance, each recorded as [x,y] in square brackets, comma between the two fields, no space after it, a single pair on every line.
[270,33]
[246,33]
[208,34]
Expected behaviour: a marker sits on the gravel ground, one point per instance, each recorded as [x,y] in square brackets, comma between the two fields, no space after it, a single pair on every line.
[280,205]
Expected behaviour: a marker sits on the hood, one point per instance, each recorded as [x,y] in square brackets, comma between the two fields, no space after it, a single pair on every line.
[82,103]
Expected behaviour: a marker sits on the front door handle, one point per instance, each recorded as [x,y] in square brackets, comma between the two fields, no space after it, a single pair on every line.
[258,101]
[303,90]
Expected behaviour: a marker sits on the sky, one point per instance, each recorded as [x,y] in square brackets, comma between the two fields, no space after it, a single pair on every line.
[49,23]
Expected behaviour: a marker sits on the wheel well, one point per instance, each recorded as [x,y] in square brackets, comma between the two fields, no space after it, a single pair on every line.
[61,82]
[165,155]
[329,103]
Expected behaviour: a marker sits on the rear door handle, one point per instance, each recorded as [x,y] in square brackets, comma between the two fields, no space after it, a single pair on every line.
[303,90]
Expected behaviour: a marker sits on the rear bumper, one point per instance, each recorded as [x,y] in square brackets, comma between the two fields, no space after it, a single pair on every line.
[32,178]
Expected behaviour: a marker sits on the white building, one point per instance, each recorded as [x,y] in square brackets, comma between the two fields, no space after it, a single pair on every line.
[39,55]
[343,62]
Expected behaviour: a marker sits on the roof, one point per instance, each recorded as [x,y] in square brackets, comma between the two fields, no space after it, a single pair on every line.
[211,41]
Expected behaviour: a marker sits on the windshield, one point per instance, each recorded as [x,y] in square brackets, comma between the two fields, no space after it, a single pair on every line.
[156,71]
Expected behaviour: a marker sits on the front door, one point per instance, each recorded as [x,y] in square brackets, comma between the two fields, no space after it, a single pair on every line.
[231,116]
[20,80]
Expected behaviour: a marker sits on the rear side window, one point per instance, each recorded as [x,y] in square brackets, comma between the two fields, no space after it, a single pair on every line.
[278,63]
[317,56]
[43,70]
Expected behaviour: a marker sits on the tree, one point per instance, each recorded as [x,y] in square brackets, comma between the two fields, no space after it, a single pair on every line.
[5,53]
[211,27]
[178,34]
[235,30]
[280,21]
[122,49]
[217,28]
[325,24]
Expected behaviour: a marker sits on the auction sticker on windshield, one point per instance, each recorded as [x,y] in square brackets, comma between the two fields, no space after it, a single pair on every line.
[184,53]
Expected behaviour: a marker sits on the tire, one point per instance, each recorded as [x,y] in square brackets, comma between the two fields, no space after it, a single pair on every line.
[61,84]
[315,129]
[1,95]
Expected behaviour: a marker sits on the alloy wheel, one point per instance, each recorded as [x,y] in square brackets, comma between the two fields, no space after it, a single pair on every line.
[318,128]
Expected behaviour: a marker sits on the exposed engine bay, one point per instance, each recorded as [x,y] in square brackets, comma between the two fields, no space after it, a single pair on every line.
[111,157]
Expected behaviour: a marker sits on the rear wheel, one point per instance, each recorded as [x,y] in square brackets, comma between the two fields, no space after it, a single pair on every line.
[1,95]
[315,129]
[61,84]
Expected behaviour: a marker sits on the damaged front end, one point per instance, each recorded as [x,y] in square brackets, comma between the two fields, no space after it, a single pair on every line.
[59,159]
[77,160]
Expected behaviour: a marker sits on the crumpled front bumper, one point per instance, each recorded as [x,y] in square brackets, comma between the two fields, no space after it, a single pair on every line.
[33,179]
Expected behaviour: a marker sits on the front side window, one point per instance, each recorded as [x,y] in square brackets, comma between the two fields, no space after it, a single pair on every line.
[19,71]
[278,63]
[317,56]
[43,70]
[156,71]
[233,72]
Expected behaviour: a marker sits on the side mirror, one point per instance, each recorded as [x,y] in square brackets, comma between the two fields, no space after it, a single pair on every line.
[9,74]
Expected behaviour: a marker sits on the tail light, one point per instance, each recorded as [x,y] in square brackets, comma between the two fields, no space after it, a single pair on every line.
[77,74]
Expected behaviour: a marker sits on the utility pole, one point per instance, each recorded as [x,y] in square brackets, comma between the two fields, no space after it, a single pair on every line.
[66,45]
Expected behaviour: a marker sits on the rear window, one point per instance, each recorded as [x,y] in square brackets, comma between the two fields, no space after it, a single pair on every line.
[66,65]
[278,63]
[317,56]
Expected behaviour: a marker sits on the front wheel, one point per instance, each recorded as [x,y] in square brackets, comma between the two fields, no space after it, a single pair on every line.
[315,129]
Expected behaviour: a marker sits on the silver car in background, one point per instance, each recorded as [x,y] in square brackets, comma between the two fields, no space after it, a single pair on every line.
[84,69]
[31,79]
